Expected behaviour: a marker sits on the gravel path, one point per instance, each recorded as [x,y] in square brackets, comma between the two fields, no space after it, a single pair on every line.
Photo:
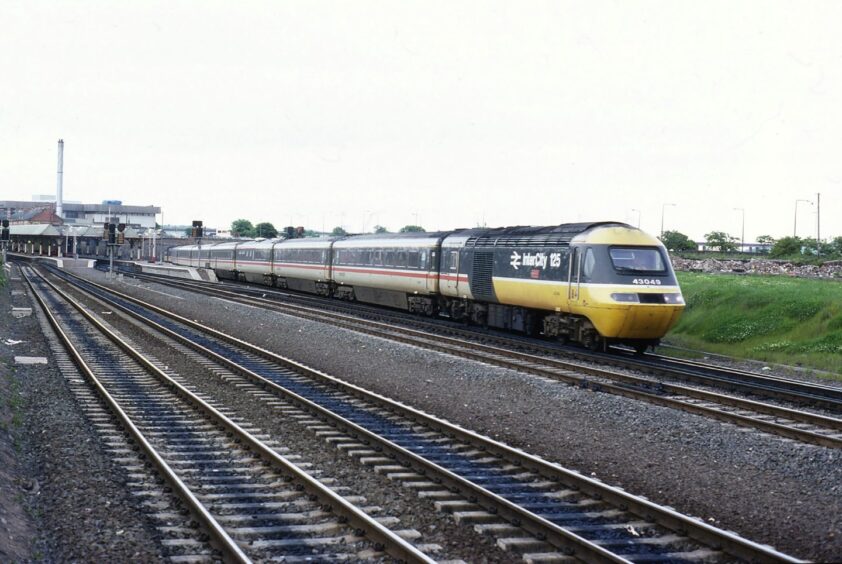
[769,489]
[69,502]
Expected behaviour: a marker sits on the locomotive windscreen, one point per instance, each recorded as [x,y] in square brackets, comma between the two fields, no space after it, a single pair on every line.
[636,259]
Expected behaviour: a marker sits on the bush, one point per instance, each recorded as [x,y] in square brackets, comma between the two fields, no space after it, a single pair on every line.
[786,246]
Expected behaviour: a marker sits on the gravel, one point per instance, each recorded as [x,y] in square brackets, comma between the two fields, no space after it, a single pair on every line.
[67,500]
[769,489]
[324,461]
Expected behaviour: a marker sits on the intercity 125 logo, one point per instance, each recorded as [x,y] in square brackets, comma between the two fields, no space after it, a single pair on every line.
[536,260]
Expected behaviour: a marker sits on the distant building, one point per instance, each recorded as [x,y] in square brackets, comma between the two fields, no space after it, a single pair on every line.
[44,214]
[184,230]
[138,217]
[749,248]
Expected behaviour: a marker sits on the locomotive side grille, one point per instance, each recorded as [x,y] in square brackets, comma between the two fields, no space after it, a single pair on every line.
[481,285]
[513,241]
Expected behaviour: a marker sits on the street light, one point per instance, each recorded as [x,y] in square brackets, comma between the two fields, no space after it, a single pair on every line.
[366,214]
[818,224]
[638,218]
[663,208]
[795,222]
[743,231]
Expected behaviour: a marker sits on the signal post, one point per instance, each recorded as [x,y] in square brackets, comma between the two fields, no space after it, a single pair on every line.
[114,236]
[5,237]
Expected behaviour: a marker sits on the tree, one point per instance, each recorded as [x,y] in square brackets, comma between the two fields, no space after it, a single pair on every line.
[242,228]
[809,246]
[338,231]
[676,241]
[835,246]
[766,240]
[786,246]
[721,241]
[412,229]
[380,229]
[265,230]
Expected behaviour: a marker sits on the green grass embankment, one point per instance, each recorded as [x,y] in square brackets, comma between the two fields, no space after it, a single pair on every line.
[792,321]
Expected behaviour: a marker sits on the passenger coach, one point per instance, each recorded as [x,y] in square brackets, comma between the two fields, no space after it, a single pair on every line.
[392,270]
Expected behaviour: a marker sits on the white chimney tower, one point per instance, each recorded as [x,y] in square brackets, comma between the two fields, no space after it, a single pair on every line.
[59,203]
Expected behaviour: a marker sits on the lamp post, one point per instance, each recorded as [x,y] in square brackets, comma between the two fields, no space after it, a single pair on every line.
[818,224]
[663,208]
[638,219]
[743,230]
[795,222]
[366,215]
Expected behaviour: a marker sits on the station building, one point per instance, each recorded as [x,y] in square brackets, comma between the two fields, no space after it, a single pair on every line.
[138,217]
[36,229]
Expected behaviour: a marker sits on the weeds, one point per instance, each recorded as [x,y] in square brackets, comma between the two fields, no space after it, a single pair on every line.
[769,318]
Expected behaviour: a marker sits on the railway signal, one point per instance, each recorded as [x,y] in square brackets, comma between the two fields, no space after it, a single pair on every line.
[105,231]
[120,235]
[4,237]
[112,234]
[196,231]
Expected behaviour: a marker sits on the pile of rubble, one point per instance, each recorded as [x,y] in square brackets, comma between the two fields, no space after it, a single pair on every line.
[830,269]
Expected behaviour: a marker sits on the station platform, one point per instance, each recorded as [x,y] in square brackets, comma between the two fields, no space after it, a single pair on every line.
[58,262]
[160,268]
[174,270]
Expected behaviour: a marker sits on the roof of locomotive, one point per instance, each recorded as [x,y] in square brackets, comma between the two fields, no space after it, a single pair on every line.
[618,234]
[525,235]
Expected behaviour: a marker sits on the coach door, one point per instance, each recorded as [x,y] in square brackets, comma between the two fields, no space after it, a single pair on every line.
[428,259]
[574,276]
[449,277]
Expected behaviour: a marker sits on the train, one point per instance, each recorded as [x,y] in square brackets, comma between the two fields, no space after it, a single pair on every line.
[597,283]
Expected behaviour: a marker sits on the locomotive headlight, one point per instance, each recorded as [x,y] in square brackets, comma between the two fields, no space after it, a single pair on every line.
[673,299]
[625,297]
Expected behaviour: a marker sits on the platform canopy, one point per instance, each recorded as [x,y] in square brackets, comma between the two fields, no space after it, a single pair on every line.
[48,230]
[35,230]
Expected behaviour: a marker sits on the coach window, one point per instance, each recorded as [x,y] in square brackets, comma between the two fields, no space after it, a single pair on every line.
[401,258]
[453,260]
[377,258]
[413,259]
[588,265]
[423,262]
[389,258]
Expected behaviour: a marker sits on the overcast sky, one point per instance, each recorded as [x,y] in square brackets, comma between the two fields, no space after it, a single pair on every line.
[454,113]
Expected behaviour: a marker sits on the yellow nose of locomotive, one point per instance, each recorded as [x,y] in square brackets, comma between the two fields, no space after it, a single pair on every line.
[634,313]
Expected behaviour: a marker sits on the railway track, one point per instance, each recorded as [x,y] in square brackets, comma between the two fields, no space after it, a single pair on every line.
[752,383]
[532,506]
[251,502]
[795,424]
